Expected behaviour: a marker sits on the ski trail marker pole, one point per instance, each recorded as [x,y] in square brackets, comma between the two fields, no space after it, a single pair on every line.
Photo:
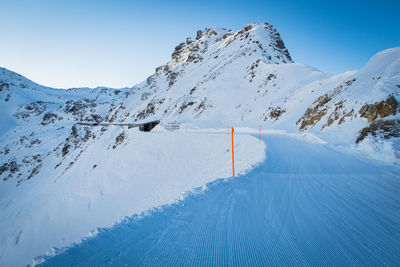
[233,156]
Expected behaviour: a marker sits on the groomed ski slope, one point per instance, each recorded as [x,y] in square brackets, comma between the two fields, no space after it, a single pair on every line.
[305,205]
[59,208]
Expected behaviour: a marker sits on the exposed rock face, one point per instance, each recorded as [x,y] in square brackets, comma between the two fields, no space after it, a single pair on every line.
[274,113]
[380,109]
[50,118]
[189,51]
[119,140]
[277,42]
[31,110]
[320,108]
[386,129]
[380,128]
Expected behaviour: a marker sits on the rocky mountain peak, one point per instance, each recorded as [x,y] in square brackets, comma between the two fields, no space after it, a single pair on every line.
[214,49]
[265,37]
[260,39]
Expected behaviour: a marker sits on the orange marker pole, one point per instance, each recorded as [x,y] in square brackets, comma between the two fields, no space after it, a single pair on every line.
[233,157]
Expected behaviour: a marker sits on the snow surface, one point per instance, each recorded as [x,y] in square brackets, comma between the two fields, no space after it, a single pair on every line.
[148,170]
[305,205]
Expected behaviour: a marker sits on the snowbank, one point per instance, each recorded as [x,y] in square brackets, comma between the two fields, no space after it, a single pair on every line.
[147,170]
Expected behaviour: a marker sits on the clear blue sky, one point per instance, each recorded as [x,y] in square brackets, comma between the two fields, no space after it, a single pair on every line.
[119,43]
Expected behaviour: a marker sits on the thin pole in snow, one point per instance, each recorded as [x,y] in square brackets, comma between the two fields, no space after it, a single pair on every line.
[260,135]
[233,156]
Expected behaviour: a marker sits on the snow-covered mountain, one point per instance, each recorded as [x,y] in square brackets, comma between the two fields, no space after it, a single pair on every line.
[218,79]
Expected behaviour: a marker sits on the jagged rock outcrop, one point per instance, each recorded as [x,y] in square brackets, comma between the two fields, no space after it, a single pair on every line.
[380,109]
[386,129]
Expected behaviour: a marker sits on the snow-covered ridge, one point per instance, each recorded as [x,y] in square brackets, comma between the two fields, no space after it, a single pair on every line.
[216,79]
